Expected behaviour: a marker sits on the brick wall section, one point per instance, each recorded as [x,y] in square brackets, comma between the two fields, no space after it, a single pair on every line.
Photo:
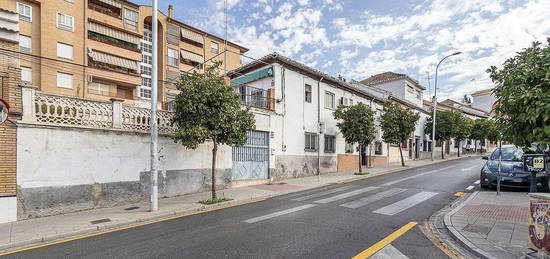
[11,92]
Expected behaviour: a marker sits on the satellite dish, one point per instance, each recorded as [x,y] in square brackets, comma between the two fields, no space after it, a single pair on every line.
[4,110]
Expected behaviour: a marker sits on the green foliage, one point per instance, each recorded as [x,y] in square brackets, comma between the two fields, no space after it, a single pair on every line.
[356,123]
[481,129]
[397,123]
[361,173]
[496,131]
[214,201]
[445,127]
[462,127]
[207,108]
[522,89]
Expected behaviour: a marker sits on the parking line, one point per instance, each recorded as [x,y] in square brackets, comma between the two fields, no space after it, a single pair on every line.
[477,182]
[384,242]
[468,168]
[469,188]
[279,213]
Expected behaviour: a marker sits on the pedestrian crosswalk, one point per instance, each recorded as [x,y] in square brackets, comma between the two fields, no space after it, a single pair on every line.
[399,200]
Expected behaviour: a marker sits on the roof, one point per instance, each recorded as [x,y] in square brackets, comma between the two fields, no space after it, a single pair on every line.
[448,105]
[304,69]
[483,92]
[388,77]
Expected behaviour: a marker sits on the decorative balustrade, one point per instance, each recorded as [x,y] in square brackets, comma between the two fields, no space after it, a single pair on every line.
[58,110]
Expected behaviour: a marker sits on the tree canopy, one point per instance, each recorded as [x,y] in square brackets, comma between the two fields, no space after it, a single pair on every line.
[462,128]
[397,124]
[356,123]
[209,109]
[444,125]
[522,89]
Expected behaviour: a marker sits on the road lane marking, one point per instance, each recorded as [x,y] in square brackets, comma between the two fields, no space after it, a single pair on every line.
[346,195]
[279,213]
[406,203]
[469,188]
[418,175]
[477,182]
[315,195]
[468,168]
[389,252]
[370,199]
[55,242]
[384,242]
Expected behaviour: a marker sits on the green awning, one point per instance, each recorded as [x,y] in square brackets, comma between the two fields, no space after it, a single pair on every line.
[266,72]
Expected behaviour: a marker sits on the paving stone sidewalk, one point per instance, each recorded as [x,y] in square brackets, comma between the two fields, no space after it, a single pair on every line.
[490,225]
[39,230]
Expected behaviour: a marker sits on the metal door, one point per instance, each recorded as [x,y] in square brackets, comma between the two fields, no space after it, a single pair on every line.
[251,161]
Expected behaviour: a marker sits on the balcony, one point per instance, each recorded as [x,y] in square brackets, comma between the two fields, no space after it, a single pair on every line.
[102,8]
[256,97]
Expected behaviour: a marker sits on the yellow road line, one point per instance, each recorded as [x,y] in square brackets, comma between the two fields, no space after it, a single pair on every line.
[123,228]
[384,242]
[458,194]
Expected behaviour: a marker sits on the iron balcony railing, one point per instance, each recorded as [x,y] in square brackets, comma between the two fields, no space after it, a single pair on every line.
[256,97]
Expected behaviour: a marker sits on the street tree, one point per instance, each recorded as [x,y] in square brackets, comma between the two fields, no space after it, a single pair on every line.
[522,90]
[462,129]
[397,125]
[480,131]
[356,123]
[209,109]
[444,128]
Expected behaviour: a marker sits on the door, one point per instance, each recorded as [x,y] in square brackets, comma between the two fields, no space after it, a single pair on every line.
[417,148]
[251,161]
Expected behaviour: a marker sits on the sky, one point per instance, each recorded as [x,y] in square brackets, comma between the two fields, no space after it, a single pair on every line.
[361,38]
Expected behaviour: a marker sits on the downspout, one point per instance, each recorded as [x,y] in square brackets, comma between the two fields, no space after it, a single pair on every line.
[319,129]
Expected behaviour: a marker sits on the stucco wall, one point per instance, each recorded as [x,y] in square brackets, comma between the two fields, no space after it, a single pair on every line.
[63,169]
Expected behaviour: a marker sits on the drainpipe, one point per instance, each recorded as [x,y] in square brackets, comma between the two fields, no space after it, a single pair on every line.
[319,129]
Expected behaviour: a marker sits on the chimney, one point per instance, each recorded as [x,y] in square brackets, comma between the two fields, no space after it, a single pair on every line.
[170,11]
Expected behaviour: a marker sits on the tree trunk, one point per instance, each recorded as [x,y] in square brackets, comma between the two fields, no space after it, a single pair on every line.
[443,149]
[360,156]
[401,154]
[458,148]
[214,151]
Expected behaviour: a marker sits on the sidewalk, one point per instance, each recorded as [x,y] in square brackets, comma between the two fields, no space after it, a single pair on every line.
[39,230]
[492,226]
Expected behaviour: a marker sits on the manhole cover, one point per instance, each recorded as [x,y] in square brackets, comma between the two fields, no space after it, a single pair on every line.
[477,229]
[100,221]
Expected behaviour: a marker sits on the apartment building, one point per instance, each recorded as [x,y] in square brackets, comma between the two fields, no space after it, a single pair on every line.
[101,49]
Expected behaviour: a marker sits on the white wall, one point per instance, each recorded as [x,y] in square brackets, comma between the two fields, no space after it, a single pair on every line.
[48,157]
[484,102]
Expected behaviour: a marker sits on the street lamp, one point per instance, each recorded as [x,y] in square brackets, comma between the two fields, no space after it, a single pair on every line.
[435,102]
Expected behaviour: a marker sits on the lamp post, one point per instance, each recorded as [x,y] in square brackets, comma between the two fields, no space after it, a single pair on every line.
[435,102]
[154,199]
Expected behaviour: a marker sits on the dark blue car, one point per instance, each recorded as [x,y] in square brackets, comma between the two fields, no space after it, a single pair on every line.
[512,173]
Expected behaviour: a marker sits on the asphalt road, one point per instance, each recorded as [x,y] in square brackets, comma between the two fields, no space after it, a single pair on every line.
[336,221]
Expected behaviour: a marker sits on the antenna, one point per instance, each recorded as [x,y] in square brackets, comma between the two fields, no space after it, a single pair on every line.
[428,78]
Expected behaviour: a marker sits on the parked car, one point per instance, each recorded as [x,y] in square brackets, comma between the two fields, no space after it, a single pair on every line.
[512,173]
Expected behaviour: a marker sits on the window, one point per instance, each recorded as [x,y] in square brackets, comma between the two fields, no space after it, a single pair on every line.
[351,102]
[329,100]
[147,82]
[25,12]
[173,57]
[145,92]
[99,88]
[410,89]
[65,22]
[311,142]
[130,19]
[64,80]
[378,148]
[64,51]
[147,59]
[145,70]
[307,93]
[330,143]
[25,43]
[214,47]
[146,47]
[26,74]
[350,148]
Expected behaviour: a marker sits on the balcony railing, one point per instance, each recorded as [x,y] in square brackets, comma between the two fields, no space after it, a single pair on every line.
[104,10]
[256,97]
[113,68]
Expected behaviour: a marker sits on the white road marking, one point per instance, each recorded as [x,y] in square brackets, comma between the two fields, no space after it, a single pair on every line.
[279,213]
[404,204]
[370,199]
[477,182]
[469,188]
[315,195]
[418,175]
[389,252]
[468,168]
[346,195]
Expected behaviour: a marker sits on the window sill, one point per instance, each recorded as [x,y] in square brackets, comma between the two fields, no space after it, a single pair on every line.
[65,29]
[310,150]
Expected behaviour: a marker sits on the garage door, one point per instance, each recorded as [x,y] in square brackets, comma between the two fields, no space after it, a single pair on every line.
[251,161]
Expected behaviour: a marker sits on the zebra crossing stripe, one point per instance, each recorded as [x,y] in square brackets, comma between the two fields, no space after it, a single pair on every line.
[468,168]
[370,199]
[346,195]
[389,252]
[404,204]
[418,175]
[315,195]
[279,213]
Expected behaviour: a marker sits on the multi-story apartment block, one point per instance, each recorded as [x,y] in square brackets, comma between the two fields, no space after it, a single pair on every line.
[399,85]
[101,49]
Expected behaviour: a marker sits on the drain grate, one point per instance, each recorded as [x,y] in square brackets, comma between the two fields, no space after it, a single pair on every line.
[100,221]
[132,208]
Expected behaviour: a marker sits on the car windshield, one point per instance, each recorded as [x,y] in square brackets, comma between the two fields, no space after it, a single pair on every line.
[508,154]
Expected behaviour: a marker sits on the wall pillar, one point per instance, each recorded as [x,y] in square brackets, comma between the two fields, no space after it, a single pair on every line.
[117,112]
[29,103]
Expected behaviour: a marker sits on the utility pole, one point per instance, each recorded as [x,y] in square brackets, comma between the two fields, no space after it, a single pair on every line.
[154,123]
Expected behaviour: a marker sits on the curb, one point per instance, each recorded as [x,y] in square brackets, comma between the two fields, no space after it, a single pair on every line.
[460,238]
[44,240]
